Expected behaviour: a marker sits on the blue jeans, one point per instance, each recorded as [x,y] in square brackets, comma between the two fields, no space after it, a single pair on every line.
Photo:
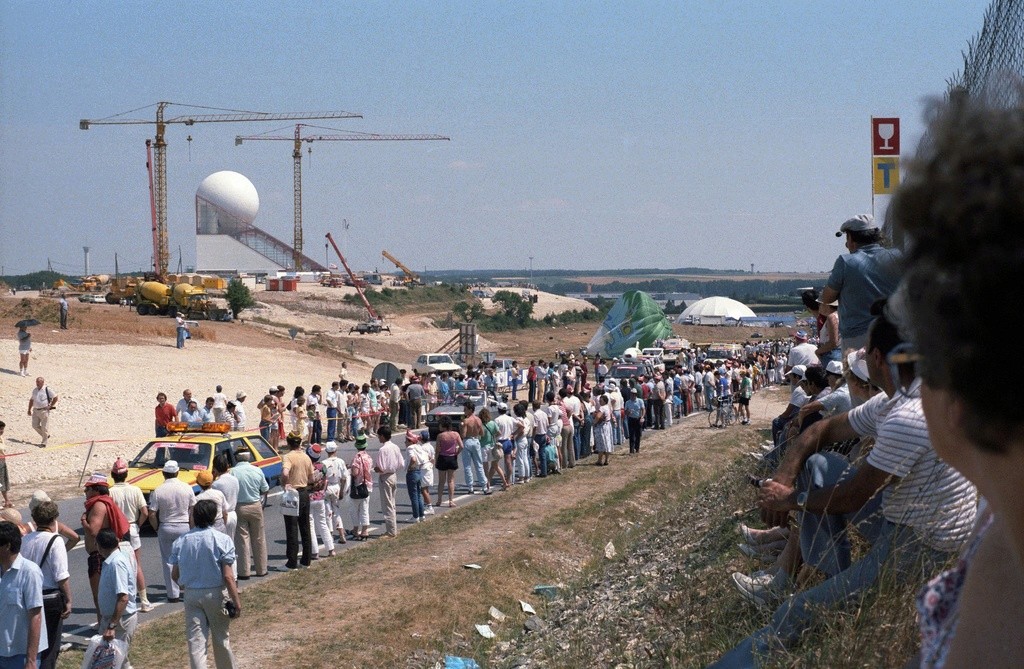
[316,431]
[414,484]
[896,552]
[265,426]
[473,463]
[824,540]
[616,429]
[15,661]
[542,440]
[181,337]
[332,427]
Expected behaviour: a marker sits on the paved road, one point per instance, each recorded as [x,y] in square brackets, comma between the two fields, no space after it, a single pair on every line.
[81,625]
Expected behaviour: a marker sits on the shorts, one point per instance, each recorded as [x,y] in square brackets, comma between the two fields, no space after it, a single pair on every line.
[95,563]
[507,446]
[447,463]
[744,401]
[133,537]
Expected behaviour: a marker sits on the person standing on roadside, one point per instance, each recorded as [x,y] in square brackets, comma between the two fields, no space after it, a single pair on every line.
[182,330]
[42,401]
[250,532]
[331,400]
[471,430]
[415,392]
[5,479]
[101,512]
[297,470]
[63,301]
[171,516]
[389,461]
[130,500]
[361,473]
[186,399]
[635,411]
[202,560]
[46,549]
[24,349]
[337,477]
[220,405]
[164,413]
[118,614]
[21,603]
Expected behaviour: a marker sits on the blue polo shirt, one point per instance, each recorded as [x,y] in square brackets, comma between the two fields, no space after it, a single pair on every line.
[117,578]
[200,554]
[868,274]
[21,589]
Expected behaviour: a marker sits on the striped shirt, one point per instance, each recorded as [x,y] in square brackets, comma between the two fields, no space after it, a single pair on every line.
[930,496]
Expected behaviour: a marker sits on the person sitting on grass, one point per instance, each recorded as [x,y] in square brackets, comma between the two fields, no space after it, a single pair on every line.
[926,507]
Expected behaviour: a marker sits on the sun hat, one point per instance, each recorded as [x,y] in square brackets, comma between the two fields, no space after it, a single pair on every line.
[834,367]
[240,395]
[800,335]
[96,479]
[171,467]
[38,497]
[120,466]
[411,437]
[314,451]
[331,447]
[361,442]
[204,479]
[859,223]
[799,370]
[858,365]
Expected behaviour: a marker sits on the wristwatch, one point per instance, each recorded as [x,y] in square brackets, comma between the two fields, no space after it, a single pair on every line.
[801,501]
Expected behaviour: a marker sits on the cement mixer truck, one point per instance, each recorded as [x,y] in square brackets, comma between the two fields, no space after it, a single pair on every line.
[159,299]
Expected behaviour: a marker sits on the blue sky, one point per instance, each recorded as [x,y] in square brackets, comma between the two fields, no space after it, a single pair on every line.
[590,135]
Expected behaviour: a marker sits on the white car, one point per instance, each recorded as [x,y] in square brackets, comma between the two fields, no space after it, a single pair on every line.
[436,363]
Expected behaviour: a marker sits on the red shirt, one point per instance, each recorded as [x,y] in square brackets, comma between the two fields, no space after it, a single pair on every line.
[165,414]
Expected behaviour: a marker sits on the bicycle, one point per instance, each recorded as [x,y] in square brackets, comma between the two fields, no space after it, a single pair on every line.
[724,414]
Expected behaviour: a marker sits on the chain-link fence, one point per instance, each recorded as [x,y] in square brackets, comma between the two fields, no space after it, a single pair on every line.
[995,56]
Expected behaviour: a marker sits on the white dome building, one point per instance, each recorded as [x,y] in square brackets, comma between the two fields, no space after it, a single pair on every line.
[715,311]
[225,202]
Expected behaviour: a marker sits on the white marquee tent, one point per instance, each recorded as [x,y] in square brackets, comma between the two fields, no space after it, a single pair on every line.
[715,311]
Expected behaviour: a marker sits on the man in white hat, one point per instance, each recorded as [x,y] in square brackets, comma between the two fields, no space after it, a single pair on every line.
[170,507]
[797,398]
[868,273]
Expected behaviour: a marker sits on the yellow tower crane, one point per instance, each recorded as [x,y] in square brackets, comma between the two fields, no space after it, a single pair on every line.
[297,139]
[411,278]
[161,254]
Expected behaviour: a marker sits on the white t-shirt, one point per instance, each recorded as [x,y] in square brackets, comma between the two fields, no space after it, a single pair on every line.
[506,424]
[836,402]
[33,545]
[573,406]
[540,422]
[930,496]
[798,397]
[220,401]
[803,354]
[217,496]
[332,399]
[228,486]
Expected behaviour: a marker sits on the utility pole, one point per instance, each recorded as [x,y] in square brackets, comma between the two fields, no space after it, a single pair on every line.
[531,271]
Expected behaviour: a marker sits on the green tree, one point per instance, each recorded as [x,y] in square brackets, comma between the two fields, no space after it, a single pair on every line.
[239,297]
[467,311]
[514,306]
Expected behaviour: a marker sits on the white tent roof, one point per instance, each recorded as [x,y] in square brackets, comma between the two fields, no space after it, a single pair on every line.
[720,307]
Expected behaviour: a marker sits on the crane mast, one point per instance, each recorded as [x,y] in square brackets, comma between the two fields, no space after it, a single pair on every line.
[411,277]
[297,139]
[355,282]
[158,166]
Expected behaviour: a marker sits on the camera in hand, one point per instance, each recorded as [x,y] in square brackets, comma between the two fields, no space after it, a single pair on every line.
[230,609]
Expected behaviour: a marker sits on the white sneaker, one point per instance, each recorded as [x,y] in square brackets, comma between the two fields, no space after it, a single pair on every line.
[758,590]
[429,511]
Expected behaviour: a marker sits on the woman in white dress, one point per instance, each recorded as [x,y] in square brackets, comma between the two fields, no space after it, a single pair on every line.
[603,431]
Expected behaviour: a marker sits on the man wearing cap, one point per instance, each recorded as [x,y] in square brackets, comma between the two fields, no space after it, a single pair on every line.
[239,411]
[797,400]
[250,531]
[204,480]
[100,513]
[336,473]
[836,402]
[802,352]
[133,505]
[868,273]
[388,462]
[170,515]
[296,473]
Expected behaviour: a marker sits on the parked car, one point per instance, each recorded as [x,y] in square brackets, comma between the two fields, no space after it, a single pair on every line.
[654,356]
[194,452]
[455,410]
[92,298]
[427,363]
[628,370]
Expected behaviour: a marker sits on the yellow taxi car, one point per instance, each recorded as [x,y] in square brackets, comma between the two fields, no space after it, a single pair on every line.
[194,449]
